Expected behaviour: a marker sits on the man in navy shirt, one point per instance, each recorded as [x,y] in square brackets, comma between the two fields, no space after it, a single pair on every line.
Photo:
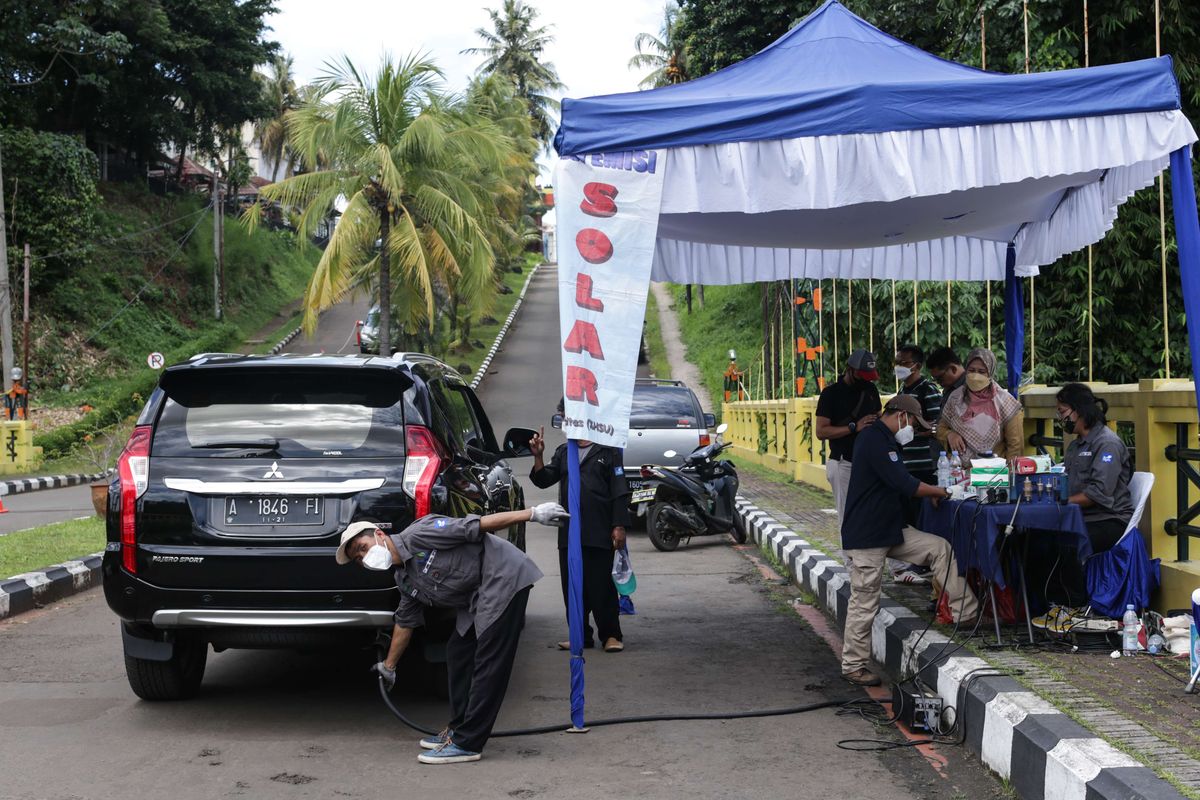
[874,528]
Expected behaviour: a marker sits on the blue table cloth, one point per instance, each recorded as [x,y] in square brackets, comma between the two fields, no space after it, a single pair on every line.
[976,532]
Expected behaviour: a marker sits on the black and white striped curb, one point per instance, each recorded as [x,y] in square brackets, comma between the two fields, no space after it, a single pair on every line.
[487,360]
[31,590]
[21,485]
[1041,751]
[284,342]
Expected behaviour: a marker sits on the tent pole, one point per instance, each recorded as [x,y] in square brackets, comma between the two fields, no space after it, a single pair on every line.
[795,344]
[1025,16]
[1187,238]
[948,336]
[895,332]
[914,311]
[988,302]
[821,329]
[871,314]
[850,315]
[1087,62]
[837,356]
[1162,216]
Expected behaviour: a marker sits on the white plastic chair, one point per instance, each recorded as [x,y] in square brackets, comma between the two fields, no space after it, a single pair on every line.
[1139,489]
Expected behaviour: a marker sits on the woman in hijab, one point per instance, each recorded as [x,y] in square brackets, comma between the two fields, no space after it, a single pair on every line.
[981,417]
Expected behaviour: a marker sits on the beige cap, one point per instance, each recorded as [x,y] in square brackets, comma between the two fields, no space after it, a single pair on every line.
[352,530]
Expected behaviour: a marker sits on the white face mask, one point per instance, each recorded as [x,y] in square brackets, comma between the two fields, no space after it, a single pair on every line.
[378,558]
[903,373]
[905,435]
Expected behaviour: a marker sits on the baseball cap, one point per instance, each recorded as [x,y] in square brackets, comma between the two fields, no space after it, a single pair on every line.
[908,404]
[352,530]
[863,362]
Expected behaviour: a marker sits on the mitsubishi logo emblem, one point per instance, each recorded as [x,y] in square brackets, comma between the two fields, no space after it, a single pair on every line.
[274,472]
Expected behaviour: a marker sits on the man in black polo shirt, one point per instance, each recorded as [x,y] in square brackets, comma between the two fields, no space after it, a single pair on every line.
[874,528]
[843,409]
[947,370]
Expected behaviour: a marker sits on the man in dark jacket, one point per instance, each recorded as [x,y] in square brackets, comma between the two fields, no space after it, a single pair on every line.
[603,515]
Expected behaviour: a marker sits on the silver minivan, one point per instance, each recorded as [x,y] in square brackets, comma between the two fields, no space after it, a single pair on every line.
[665,415]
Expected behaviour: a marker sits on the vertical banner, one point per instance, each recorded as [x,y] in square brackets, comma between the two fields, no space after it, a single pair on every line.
[607,210]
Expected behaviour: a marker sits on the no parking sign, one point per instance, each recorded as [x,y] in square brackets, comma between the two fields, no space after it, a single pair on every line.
[155,361]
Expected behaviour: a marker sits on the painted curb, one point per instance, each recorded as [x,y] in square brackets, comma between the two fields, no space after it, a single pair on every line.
[1041,751]
[284,342]
[22,485]
[495,348]
[31,590]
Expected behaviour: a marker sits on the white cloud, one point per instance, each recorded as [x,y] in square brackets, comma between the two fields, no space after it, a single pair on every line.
[592,47]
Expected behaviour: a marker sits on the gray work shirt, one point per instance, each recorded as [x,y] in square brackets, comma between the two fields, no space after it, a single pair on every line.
[1098,465]
[451,563]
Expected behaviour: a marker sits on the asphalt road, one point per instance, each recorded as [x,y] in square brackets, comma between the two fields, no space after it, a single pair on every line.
[710,634]
[31,509]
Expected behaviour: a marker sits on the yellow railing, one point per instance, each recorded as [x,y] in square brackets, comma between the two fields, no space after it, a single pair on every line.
[779,434]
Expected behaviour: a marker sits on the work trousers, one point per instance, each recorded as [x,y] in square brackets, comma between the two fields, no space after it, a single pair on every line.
[837,472]
[479,667]
[599,594]
[866,579]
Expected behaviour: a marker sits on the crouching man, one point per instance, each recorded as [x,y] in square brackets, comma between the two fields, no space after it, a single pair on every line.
[442,562]
[874,529]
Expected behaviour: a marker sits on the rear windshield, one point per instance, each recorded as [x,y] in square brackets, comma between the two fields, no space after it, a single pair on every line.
[257,421]
[663,407]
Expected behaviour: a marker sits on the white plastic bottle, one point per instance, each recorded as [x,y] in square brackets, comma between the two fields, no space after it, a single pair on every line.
[1129,632]
[956,468]
[943,471]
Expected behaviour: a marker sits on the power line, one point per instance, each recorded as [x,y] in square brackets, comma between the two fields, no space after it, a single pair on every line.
[114,240]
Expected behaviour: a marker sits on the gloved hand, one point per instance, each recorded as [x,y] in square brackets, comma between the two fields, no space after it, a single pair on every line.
[388,675]
[549,514]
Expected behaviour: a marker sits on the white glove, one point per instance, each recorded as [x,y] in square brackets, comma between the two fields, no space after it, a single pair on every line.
[548,514]
[388,676]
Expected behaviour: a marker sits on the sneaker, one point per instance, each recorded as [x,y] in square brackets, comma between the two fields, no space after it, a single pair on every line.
[448,753]
[910,578]
[862,677]
[436,741]
[1055,620]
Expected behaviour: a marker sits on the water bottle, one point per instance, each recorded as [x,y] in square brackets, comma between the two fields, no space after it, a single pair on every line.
[956,468]
[943,471]
[1155,644]
[1129,632]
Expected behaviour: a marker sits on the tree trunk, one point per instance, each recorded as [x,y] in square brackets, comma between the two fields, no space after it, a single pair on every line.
[453,315]
[687,291]
[385,285]
[179,166]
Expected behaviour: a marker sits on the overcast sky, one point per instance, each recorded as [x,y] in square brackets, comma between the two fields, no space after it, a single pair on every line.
[593,41]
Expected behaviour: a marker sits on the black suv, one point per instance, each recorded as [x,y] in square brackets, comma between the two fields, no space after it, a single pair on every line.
[241,472]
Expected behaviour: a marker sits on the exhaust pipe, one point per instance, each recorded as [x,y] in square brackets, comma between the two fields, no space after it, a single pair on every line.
[681,521]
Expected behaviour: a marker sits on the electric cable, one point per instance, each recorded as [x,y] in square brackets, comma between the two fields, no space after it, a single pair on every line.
[597,723]
[115,239]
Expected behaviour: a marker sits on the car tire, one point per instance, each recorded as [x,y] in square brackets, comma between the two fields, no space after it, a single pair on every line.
[662,537]
[177,678]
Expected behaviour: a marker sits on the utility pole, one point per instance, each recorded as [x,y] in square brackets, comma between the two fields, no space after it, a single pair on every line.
[218,267]
[25,334]
[5,300]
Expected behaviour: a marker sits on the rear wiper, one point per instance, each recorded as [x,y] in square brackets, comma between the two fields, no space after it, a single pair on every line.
[247,444]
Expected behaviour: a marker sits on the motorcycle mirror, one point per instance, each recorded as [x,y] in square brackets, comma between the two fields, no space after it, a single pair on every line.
[722,428]
[669,454]
[556,421]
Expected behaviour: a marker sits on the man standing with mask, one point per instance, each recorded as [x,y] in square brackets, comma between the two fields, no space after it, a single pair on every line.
[875,529]
[844,408]
[443,562]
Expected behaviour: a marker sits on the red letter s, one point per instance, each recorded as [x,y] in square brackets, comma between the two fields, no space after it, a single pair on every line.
[598,200]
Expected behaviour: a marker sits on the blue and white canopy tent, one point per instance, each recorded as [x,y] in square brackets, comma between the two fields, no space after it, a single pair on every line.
[842,152]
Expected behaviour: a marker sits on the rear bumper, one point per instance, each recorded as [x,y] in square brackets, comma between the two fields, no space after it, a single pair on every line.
[222,617]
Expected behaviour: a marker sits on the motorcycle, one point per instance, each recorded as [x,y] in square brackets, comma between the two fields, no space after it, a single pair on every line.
[695,499]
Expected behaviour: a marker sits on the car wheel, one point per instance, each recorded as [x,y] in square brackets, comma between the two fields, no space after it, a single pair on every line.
[177,678]
[661,535]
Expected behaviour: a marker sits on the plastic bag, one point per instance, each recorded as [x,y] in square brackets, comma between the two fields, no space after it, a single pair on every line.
[622,572]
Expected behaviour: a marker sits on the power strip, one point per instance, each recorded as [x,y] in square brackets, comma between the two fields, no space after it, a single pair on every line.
[919,709]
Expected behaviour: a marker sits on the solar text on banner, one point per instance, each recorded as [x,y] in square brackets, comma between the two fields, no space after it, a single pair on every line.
[608,206]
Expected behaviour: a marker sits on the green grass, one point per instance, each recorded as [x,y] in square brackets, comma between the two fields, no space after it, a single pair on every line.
[730,319]
[50,544]
[660,367]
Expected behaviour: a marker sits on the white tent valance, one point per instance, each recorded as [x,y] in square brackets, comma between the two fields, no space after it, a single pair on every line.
[742,212]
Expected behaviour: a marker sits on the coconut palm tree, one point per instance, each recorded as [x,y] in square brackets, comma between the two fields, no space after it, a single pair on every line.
[514,48]
[281,95]
[665,54]
[405,165]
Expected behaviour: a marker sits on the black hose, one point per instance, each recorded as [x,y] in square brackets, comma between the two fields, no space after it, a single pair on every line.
[559,728]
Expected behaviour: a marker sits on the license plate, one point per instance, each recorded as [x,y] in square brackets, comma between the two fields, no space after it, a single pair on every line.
[255,510]
[642,495]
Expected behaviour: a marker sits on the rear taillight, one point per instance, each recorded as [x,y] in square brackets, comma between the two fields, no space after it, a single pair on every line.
[422,463]
[647,472]
[358,332]
[133,468]
[705,440]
